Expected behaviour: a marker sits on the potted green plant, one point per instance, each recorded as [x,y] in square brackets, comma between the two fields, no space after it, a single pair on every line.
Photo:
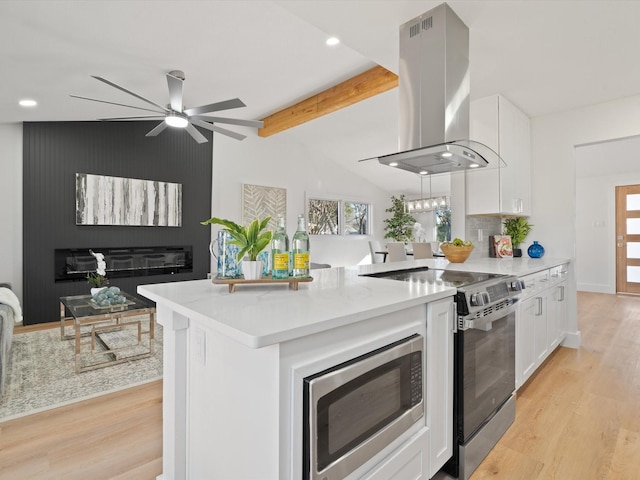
[398,227]
[517,228]
[250,239]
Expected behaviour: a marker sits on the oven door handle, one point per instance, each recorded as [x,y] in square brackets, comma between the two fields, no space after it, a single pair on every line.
[485,323]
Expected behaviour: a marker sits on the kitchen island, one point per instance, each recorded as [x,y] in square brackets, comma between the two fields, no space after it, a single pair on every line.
[234,364]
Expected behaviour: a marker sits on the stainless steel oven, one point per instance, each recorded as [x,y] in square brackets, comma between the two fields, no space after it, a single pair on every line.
[484,359]
[354,410]
[484,362]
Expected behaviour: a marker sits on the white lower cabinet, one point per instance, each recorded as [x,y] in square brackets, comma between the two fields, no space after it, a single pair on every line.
[541,322]
[525,340]
[558,314]
[406,462]
[440,326]
[531,336]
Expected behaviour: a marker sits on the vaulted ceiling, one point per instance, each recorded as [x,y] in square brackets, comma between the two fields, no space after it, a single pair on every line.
[545,56]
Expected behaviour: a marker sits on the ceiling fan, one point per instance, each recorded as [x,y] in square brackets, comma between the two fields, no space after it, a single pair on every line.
[176,115]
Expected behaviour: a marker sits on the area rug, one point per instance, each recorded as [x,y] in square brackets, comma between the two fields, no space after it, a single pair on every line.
[41,374]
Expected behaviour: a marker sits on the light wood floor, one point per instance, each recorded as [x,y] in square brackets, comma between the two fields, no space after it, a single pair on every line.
[578,418]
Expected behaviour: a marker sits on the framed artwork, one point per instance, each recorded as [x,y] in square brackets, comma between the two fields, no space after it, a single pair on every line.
[502,246]
[259,201]
[104,200]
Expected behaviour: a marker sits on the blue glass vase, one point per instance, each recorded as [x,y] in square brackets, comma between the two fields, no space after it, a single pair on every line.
[535,250]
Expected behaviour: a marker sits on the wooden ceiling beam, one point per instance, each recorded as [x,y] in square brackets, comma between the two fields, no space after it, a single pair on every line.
[367,84]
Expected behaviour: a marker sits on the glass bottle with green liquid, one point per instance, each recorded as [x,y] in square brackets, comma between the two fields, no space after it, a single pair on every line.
[300,250]
[280,251]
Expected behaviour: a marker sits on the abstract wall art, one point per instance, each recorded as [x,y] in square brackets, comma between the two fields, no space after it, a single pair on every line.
[259,201]
[104,200]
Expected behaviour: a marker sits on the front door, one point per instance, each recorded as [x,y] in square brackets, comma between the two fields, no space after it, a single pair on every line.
[628,239]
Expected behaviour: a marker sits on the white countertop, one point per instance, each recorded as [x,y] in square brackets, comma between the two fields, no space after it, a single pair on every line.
[506,266]
[258,315]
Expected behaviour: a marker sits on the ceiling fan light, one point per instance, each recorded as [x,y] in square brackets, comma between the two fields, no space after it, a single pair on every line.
[27,103]
[176,121]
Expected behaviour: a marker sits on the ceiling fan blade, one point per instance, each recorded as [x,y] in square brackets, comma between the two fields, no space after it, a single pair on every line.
[223,131]
[157,129]
[231,121]
[197,136]
[214,107]
[119,104]
[175,92]
[104,80]
[150,117]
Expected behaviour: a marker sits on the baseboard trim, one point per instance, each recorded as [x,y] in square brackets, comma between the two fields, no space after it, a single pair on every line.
[595,288]
[572,340]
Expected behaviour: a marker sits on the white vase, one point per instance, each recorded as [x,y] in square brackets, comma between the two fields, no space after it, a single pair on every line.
[95,291]
[252,270]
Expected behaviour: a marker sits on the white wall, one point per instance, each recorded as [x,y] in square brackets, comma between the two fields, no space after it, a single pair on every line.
[553,173]
[595,270]
[600,168]
[553,166]
[11,206]
[276,162]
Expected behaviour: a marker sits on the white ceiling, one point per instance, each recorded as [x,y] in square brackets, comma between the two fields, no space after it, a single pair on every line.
[545,56]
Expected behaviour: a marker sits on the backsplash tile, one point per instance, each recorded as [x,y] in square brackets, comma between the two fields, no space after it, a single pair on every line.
[489,226]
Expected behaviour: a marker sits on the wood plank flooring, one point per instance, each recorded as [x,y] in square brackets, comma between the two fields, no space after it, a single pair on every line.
[115,436]
[578,418]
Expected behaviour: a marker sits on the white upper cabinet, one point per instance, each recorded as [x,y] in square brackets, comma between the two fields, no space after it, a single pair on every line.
[499,189]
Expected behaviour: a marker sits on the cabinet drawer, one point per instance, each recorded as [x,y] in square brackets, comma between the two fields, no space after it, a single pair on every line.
[559,273]
[534,283]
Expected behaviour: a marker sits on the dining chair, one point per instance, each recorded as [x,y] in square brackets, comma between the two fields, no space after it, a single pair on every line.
[396,251]
[422,250]
[374,246]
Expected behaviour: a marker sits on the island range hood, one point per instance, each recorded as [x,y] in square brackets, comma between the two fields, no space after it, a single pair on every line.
[434,98]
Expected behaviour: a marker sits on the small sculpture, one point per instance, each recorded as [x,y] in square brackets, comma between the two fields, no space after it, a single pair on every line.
[419,233]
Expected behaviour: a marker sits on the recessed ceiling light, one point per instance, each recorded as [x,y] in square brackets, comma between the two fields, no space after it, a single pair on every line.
[447,154]
[423,172]
[331,41]
[28,103]
[474,165]
[393,164]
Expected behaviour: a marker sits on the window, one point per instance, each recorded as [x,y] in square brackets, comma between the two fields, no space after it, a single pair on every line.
[356,218]
[334,216]
[323,217]
[443,224]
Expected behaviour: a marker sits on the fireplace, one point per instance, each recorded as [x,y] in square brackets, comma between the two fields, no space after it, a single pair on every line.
[73,264]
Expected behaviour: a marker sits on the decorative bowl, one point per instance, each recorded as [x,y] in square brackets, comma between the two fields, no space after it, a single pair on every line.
[456,254]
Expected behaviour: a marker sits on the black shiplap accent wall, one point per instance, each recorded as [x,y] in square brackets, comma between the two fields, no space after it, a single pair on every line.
[55,151]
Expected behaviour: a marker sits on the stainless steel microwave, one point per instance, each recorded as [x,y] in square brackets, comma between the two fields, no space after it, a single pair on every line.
[354,410]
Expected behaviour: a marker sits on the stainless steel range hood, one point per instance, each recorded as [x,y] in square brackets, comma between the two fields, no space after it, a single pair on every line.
[434,98]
